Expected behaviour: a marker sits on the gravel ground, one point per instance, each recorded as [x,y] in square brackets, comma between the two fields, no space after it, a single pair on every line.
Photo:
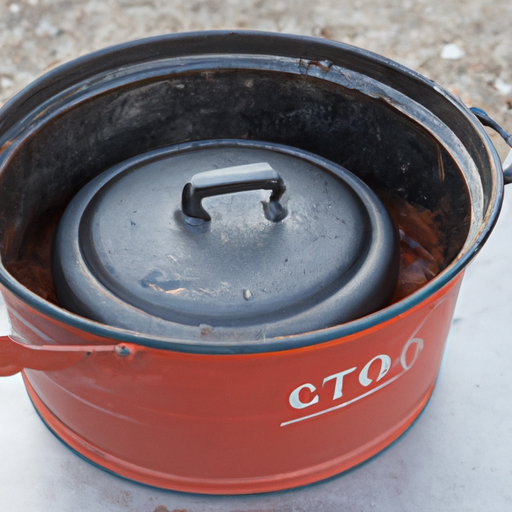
[464,45]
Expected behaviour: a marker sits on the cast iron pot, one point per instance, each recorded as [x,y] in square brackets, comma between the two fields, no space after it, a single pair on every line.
[136,248]
[245,415]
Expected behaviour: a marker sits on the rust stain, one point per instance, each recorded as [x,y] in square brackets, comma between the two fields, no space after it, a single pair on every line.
[441,165]
[306,65]
[32,267]
[61,100]
[324,65]
[421,247]
[5,146]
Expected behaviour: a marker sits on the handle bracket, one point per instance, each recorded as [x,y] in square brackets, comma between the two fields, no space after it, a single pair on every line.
[16,356]
[484,118]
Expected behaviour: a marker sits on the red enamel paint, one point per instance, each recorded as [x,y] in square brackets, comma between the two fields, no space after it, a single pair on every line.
[230,424]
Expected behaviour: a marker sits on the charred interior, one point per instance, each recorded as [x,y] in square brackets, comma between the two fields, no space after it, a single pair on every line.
[108,119]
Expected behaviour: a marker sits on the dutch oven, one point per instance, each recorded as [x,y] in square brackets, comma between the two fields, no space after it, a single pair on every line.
[218,316]
[136,248]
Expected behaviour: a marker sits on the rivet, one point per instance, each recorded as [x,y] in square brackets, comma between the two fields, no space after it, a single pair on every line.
[122,350]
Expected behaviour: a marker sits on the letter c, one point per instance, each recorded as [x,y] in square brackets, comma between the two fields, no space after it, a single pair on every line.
[295,400]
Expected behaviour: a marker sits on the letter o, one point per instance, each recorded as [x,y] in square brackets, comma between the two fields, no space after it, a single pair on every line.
[419,348]
[385,365]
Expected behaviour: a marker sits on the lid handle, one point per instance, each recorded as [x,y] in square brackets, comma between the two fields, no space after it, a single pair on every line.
[227,181]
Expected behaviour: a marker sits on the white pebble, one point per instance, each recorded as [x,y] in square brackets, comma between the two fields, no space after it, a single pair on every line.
[502,86]
[5,82]
[45,28]
[452,52]
[14,8]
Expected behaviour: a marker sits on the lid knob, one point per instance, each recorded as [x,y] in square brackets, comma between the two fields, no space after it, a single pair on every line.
[228,181]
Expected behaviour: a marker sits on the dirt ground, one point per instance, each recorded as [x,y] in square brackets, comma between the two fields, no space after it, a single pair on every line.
[464,45]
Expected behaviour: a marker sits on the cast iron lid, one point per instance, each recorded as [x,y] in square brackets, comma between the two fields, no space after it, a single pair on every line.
[225,239]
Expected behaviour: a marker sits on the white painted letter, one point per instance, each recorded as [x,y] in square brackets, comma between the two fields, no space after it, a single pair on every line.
[295,400]
[338,385]
[419,347]
[385,364]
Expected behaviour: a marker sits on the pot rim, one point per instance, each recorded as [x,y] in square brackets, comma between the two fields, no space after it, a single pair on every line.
[61,78]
